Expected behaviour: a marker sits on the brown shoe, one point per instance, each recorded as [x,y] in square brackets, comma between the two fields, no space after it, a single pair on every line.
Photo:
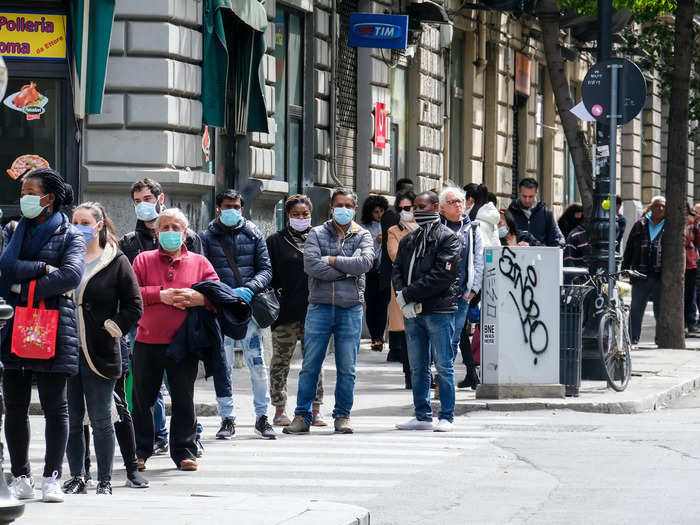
[188,465]
[140,464]
[342,425]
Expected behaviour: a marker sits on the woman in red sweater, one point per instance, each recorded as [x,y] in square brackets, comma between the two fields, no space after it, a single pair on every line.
[165,276]
[692,243]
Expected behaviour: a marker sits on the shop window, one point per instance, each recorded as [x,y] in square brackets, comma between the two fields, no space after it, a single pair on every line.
[289,97]
[397,116]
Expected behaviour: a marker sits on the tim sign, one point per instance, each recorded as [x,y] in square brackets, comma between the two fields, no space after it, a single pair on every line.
[381,31]
[380,125]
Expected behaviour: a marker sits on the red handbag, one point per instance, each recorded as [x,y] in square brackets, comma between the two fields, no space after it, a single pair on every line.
[35,329]
[476,345]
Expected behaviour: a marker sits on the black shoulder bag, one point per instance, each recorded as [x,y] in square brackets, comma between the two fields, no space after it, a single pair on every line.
[265,306]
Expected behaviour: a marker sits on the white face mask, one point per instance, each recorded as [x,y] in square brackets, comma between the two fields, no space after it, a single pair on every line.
[406,216]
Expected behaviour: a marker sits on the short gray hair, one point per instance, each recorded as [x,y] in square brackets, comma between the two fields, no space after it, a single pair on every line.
[175,213]
[658,198]
[451,189]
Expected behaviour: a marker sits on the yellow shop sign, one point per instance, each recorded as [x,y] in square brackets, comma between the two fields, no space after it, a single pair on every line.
[33,35]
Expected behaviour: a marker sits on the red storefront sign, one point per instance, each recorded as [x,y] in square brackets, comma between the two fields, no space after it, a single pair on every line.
[380,125]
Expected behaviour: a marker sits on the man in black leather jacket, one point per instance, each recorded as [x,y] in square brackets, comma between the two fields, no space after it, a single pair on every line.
[426,279]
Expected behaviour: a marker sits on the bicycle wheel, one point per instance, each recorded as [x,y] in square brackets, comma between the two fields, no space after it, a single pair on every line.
[614,348]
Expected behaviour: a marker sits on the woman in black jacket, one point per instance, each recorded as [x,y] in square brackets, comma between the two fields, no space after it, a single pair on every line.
[109,304]
[286,249]
[43,247]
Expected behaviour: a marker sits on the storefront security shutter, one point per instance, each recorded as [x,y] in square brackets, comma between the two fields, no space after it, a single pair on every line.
[346,97]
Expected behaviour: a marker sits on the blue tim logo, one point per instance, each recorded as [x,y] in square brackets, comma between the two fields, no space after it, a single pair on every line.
[377,31]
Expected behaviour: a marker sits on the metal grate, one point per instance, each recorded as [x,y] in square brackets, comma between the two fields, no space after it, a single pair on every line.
[346,96]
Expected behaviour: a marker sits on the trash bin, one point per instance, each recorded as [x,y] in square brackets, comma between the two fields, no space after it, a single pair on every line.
[570,337]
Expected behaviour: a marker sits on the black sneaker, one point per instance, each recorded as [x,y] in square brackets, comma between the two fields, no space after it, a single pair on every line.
[264,429]
[200,447]
[161,447]
[75,485]
[104,487]
[135,480]
[228,429]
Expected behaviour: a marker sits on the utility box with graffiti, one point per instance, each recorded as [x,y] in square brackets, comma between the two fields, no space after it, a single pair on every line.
[520,322]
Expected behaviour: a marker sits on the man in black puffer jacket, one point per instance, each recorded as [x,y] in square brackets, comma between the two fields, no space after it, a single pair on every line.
[426,279]
[533,216]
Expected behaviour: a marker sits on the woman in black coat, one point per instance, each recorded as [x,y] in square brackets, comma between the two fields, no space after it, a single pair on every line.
[42,247]
[109,305]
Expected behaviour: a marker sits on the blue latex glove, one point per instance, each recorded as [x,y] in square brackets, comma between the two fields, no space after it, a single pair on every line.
[244,293]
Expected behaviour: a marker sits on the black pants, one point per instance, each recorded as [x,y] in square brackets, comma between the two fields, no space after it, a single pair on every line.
[150,362]
[643,290]
[124,428]
[465,348]
[689,295]
[403,353]
[54,403]
[377,301]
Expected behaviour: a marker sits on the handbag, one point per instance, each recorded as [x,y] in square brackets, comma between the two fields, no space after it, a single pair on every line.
[265,307]
[34,331]
[476,345]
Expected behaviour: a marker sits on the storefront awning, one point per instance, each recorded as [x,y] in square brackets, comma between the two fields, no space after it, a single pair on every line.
[234,45]
[94,18]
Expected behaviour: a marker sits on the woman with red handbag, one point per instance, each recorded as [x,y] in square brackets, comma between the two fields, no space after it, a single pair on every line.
[44,257]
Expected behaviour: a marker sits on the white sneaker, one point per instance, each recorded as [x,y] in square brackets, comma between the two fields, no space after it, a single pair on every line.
[51,489]
[415,424]
[443,426]
[22,487]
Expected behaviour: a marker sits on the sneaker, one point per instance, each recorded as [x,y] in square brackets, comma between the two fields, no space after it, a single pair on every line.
[89,482]
[161,447]
[51,489]
[415,424]
[140,464]
[135,480]
[200,447]
[75,485]
[444,426]
[281,421]
[188,465]
[228,429]
[317,420]
[298,426]
[104,487]
[22,487]
[342,425]
[264,429]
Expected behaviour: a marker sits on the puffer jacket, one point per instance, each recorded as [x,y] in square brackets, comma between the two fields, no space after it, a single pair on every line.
[65,251]
[144,239]
[435,279]
[250,251]
[541,223]
[342,284]
[488,218]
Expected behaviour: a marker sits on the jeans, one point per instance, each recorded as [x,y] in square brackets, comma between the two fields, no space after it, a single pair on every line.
[87,388]
[642,291]
[426,334]
[345,324]
[460,320]
[253,354]
[52,396]
[150,363]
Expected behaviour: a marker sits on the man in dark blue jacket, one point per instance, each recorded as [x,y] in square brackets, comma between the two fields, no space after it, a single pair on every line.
[237,250]
[533,216]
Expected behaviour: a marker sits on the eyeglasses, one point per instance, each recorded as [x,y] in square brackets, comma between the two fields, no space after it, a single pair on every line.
[406,208]
[454,202]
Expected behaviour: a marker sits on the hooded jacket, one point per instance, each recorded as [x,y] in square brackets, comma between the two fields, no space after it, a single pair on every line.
[488,218]
[342,284]
[471,266]
[144,239]
[540,224]
[111,292]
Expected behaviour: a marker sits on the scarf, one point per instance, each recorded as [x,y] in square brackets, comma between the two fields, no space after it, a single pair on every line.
[299,238]
[27,250]
[427,221]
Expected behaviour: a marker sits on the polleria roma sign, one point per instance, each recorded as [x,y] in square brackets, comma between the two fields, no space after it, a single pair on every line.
[33,36]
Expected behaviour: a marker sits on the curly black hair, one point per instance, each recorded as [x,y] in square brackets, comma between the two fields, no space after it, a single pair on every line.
[372,202]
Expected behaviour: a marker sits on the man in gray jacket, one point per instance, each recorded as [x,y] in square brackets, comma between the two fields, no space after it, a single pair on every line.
[337,254]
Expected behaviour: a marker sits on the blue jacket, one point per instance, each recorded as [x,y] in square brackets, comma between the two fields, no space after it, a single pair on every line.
[541,223]
[64,251]
[248,245]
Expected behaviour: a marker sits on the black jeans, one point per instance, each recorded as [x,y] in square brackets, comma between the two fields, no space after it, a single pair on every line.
[689,296]
[643,290]
[124,428]
[54,403]
[377,301]
[150,362]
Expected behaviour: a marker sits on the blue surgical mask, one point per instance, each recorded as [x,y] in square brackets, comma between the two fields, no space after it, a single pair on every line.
[87,231]
[30,206]
[502,231]
[170,241]
[146,211]
[343,215]
[231,217]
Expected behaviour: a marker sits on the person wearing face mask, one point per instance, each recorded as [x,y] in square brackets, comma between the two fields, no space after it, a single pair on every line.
[232,239]
[337,255]
[166,277]
[286,249]
[149,200]
[407,224]
[109,305]
[47,249]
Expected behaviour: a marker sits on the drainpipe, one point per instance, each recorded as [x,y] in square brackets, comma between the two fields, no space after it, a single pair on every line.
[481,61]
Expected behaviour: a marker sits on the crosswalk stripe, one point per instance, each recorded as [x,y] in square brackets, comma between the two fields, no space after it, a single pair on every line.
[193,480]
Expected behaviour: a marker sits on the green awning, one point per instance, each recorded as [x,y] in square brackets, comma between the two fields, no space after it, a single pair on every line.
[100,18]
[234,45]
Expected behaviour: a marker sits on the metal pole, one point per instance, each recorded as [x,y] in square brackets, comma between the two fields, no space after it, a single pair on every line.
[612,212]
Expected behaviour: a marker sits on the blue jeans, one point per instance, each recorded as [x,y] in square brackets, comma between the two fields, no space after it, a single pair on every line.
[460,319]
[87,388]
[345,324]
[253,354]
[434,333]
